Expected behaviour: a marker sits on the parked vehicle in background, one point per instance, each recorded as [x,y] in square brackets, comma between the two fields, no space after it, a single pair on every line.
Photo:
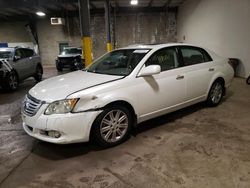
[122,88]
[17,64]
[70,57]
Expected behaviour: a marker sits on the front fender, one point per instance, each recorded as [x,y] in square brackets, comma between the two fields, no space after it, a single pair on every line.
[95,102]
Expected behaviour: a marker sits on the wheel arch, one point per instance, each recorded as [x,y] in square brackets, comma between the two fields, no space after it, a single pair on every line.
[15,71]
[40,65]
[117,102]
[126,104]
[217,78]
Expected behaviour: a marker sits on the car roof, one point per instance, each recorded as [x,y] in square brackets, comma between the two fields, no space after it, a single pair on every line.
[7,49]
[157,46]
[13,48]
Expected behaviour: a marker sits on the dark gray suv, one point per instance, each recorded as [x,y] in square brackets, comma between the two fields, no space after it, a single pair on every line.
[17,64]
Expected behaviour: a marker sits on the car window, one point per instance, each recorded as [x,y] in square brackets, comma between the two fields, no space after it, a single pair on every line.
[192,56]
[118,62]
[71,51]
[5,54]
[167,58]
[20,53]
[28,52]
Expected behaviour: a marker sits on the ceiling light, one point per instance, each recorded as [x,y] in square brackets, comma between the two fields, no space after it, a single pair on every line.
[134,2]
[39,13]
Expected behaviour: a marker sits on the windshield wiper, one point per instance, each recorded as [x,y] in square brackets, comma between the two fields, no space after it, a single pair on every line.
[97,72]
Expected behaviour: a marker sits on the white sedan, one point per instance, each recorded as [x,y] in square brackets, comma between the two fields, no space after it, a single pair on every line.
[122,88]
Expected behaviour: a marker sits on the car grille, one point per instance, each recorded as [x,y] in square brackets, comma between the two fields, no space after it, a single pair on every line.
[31,105]
[67,60]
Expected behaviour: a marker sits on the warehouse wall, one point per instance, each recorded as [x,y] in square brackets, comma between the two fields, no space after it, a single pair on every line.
[130,29]
[222,26]
[13,32]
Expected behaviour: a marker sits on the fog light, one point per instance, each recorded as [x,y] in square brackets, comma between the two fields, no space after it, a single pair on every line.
[54,134]
[43,132]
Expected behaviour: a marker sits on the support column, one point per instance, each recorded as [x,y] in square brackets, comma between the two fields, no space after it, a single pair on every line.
[107,22]
[84,15]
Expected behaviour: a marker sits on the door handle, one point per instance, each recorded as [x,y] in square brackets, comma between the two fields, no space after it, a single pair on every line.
[179,77]
[211,69]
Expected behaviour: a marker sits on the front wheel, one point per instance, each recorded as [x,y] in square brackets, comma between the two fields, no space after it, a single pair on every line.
[112,126]
[248,80]
[11,81]
[59,67]
[215,94]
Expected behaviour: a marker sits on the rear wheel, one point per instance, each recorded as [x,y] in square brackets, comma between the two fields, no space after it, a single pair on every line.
[39,74]
[112,126]
[248,80]
[215,94]
[11,81]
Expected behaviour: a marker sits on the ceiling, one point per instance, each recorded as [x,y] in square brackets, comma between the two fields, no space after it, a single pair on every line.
[26,9]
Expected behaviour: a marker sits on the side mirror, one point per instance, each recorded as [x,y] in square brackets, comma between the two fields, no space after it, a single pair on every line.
[150,70]
[16,58]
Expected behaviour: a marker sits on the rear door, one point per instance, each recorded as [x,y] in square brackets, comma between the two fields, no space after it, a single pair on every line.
[20,64]
[199,69]
[31,61]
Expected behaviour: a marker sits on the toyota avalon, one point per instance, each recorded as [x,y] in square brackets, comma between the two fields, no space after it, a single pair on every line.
[121,89]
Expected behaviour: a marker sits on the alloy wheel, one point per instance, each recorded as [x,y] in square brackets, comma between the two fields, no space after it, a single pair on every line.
[13,81]
[216,93]
[114,126]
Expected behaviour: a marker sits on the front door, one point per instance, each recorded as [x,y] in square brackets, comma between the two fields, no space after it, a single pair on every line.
[161,93]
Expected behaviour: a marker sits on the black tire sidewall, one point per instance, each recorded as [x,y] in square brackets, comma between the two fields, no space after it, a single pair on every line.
[6,85]
[59,66]
[209,99]
[248,80]
[37,77]
[96,134]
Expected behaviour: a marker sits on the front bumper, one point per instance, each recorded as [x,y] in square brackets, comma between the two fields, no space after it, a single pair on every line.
[2,76]
[73,127]
[66,62]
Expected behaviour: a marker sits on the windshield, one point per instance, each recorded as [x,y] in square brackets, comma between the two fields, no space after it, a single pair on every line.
[5,54]
[71,51]
[119,62]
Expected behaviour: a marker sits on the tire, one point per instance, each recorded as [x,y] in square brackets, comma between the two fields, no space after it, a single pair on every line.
[216,93]
[248,80]
[59,67]
[11,82]
[112,126]
[73,68]
[39,74]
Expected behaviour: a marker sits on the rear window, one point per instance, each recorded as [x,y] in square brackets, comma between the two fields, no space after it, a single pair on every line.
[28,52]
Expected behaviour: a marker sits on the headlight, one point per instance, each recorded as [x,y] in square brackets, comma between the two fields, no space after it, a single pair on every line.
[61,107]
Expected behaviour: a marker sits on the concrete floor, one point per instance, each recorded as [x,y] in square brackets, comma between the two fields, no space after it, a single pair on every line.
[193,147]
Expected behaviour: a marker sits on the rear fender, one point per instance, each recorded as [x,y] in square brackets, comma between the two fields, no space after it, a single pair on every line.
[215,77]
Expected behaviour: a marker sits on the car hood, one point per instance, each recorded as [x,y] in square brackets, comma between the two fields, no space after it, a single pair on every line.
[59,87]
